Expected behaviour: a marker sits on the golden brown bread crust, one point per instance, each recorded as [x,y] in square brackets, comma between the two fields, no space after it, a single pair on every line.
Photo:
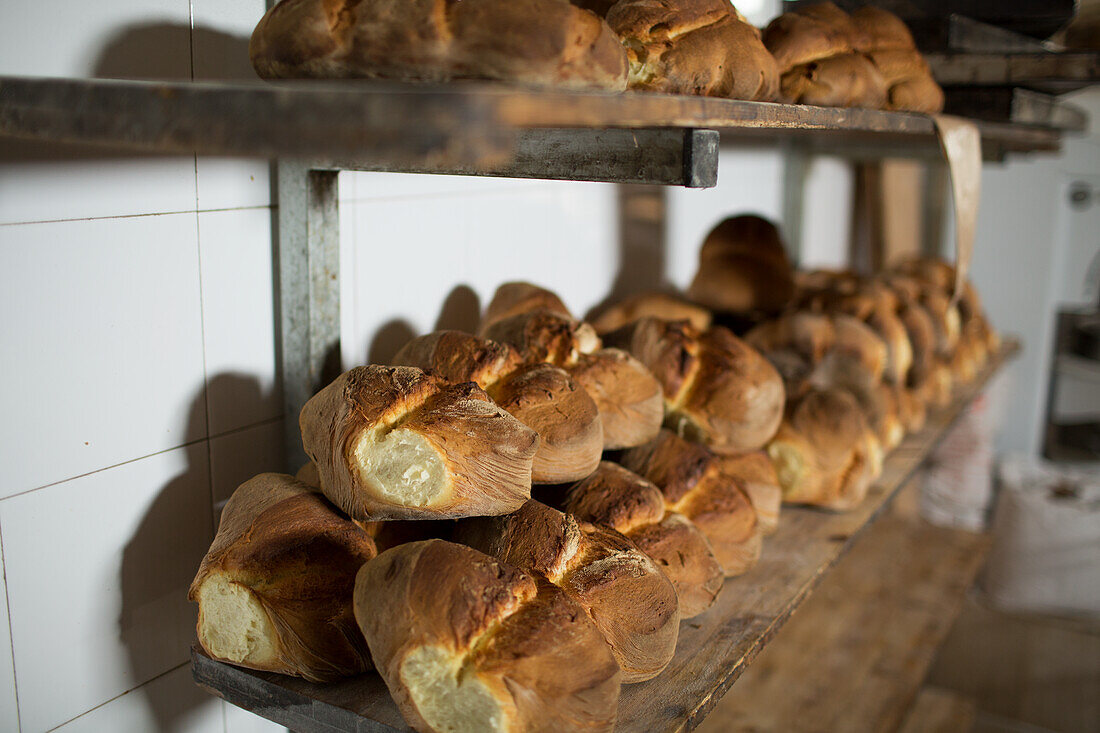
[541,396]
[538,42]
[845,80]
[809,34]
[532,651]
[868,59]
[743,267]
[717,389]
[292,552]
[665,306]
[755,473]
[543,335]
[627,396]
[706,488]
[482,454]
[622,589]
[693,47]
[514,298]
[822,452]
[616,498]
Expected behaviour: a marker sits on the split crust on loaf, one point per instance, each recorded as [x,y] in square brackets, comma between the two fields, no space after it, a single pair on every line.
[708,489]
[465,642]
[621,500]
[624,592]
[274,589]
[396,443]
[542,396]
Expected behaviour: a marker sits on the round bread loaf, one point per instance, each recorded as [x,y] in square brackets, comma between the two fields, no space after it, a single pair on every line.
[624,592]
[621,500]
[541,396]
[708,489]
[743,267]
[665,306]
[514,298]
[396,443]
[537,42]
[274,589]
[465,642]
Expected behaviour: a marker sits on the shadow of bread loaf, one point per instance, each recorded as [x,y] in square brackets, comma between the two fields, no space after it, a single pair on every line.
[548,43]
[274,589]
[466,642]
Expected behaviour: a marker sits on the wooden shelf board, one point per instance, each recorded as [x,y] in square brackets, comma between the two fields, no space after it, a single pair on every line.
[855,655]
[470,128]
[713,649]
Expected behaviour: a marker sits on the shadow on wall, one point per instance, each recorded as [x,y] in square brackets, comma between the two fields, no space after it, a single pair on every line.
[461,311]
[158,564]
[174,52]
[156,51]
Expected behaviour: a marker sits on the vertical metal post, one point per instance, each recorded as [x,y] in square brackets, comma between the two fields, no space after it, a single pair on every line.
[308,290]
[796,164]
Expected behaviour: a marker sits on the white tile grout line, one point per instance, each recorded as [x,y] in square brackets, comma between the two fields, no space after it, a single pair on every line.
[189,443]
[11,636]
[121,694]
[136,216]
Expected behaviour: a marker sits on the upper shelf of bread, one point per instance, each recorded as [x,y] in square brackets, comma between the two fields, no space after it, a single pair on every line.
[475,128]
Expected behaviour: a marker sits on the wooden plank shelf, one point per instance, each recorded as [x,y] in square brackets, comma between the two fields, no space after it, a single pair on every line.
[713,649]
[855,655]
[467,128]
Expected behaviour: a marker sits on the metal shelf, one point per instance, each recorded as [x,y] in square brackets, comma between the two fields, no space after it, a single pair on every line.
[713,650]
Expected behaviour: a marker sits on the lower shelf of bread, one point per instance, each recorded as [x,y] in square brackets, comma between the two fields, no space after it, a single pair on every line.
[714,648]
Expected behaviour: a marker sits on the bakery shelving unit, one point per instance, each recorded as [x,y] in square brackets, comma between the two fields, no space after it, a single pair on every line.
[315,130]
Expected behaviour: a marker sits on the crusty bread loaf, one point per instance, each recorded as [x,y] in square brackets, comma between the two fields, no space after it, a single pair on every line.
[824,452]
[274,590]
[755,474]
[743,267]
[708,489]
[867,59]
[666,306]
[693,47]
[514,298]
[717,389]
[465,642]
[846,80]
[537,42]
[396,443]
[625,502]
[631,601]
[627,396]
[541,396]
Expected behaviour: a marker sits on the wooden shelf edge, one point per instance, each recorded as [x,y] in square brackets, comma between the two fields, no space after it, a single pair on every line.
[470,128]
[713,650]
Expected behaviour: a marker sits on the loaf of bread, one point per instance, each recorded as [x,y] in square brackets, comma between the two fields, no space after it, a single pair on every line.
[709,489]
[465,642]
[541,396]
[867,59]
[515,298]
[274,590]
[537,42]
[755,475]
[699,47]
[396,443]
[621,500]
[665,306]
[631,601]
[823,452]
[743,267]
[627,396]
[717,389]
